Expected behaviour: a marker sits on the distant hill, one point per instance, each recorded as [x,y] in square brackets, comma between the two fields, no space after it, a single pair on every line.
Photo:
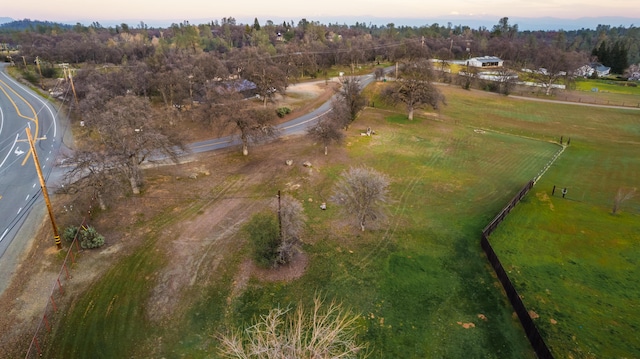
[474,22]
[27,24]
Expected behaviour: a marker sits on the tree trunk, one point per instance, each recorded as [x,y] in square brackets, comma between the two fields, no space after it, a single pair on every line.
[133,179]
[245,149]
[326,150]
[134,185]
[410,116]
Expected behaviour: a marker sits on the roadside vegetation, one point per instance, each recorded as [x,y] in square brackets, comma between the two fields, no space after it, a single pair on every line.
[202,248]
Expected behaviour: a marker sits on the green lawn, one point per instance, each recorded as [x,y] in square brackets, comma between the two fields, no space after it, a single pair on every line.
[574,262]
[621,87]
[422,275]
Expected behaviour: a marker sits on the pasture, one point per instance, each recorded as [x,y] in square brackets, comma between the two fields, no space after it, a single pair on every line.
[419,281]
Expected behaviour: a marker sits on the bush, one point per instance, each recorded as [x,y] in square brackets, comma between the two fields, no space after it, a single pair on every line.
[30,76]
[70,233]
[264,236]
[320,332]
[283,111]
[88,236]
[49,72]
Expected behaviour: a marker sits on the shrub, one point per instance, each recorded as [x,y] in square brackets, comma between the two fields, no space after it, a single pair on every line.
[70,233]
[320,332]
[283,111]
[87,236]
[30,76]
[49,72]
[90,238]
[264,236]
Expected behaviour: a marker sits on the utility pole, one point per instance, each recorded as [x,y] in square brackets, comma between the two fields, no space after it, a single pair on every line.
[67,75]
[43,185]
[279,215]
[40,71]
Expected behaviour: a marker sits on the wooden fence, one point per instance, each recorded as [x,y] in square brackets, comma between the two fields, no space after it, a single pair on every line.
[530,329]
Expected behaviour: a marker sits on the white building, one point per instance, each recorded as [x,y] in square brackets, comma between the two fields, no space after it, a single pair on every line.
[485,61]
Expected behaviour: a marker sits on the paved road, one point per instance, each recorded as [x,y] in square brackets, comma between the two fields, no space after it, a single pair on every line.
[296,126]
[19,186]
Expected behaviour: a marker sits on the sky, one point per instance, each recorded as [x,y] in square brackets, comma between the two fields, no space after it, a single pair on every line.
[166,12]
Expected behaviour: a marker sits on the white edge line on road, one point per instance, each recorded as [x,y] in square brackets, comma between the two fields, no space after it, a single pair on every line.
[213,144]
[10,151]
[4,234]
[45,104]
[309,120]
[1,119]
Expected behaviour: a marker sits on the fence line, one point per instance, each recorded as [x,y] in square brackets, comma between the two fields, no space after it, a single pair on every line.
[586,100]
[57,291]
[530,329]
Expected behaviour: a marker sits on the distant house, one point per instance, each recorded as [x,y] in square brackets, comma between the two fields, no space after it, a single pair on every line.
[593,68]
[485,61]
[244,87]
[601,70]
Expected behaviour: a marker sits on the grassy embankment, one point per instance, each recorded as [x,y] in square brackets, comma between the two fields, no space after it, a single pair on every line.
[415,281]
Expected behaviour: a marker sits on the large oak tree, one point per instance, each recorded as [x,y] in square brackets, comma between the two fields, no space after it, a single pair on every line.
[414,87]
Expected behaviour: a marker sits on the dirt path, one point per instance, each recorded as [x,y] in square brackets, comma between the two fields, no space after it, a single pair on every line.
[200,242]
[573,103]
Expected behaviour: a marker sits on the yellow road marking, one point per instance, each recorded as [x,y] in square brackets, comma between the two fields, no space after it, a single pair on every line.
[35,114]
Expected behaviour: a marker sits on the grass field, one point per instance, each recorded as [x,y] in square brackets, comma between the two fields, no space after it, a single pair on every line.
[420,277]
[602,85]
[573,261]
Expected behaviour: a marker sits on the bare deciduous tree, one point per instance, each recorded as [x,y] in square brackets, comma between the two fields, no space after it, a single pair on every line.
[379,73]
[554,64]
[292,221]
[255,125]
[90,177]
[125,133]
[223,107]
[326,131]
[350,99]
[413,87]
[362,192]
[622,195]
[506,79]
[260,69]
[322,333]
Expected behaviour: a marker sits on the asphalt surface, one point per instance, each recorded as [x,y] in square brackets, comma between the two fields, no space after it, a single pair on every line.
[21,198]
[20,188]
[296,126]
